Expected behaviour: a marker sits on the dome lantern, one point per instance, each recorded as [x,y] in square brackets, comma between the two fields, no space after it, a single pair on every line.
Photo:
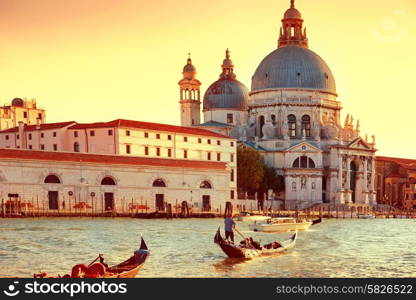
[189,71]
[227,92]
[227,67]
[292,32]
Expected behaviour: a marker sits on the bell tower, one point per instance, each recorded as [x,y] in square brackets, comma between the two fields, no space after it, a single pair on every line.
[292,32]
[190,95]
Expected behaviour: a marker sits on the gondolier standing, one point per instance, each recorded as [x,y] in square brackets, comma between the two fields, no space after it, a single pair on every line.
[229,225]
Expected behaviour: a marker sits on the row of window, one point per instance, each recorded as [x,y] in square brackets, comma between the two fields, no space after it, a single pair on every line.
[30,136]
[169,152]
[25,115]
[42,147]
[303,186]
[159,182]
[303,162]
[292,125]
[157,136]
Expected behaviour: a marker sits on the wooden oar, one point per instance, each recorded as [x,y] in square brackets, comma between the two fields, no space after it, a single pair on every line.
[240,233]
[99,255]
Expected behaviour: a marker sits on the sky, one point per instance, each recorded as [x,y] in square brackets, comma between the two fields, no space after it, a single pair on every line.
[99,60]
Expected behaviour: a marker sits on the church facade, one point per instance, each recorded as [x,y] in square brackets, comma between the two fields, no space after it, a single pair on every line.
[292,116]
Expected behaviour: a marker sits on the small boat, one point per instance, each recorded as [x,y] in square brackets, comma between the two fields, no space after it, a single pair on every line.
[365,216]
[281,225]
[245,216]
[250,249]
[127,269]
[316,221]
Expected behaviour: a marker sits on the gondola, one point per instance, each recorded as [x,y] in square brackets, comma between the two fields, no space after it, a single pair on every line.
[249,250]
[127,269]
[316,221]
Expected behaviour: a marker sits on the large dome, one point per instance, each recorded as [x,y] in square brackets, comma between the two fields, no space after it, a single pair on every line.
[226,94]
[293,67]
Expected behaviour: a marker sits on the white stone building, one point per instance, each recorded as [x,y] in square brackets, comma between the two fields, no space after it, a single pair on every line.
[63,182]
[292,116]
[181,145]
[21,110]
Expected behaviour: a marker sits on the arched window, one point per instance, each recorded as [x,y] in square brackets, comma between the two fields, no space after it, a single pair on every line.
[311,163]
[108,181]
[273,117]
[261,124]
[159,183]
[304,162]
[292,125]
[76,147]
[306,125]
[52,179]
[293,186]
[205,185]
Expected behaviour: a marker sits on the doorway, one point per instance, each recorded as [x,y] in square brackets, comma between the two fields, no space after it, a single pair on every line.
[160,202]
[53,199]
[206,203]
[109,201]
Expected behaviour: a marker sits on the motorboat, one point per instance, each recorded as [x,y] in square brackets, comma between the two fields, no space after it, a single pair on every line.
[250,217]
[281,225]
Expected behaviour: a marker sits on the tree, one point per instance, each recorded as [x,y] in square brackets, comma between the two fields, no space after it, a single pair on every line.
[270,180]
[250,170]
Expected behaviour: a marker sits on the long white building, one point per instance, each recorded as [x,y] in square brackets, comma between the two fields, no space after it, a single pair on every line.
[64,182]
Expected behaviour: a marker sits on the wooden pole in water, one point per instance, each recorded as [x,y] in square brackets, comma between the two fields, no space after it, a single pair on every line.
[343,211]
[79,202]
[336,211]
[3,210]
[37,205]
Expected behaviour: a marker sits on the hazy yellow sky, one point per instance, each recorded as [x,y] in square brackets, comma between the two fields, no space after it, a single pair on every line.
[97,60]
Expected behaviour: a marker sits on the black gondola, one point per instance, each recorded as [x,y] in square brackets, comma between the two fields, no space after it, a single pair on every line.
[247,249]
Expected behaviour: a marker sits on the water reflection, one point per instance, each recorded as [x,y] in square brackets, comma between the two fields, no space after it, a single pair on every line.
[185,248]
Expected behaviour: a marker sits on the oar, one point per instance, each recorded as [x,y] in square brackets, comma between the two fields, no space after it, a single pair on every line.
[240,233]
[94,260]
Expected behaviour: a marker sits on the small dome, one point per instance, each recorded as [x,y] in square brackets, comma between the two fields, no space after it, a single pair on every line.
[292,13]
[293,67]
[17,102]
[226,93]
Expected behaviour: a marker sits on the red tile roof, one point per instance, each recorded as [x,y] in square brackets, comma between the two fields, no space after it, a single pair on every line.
[403,162]
[108,159]
[46,126]
[121,123]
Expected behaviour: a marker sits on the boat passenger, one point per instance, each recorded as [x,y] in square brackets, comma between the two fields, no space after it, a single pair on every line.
[229,225]
[102,261]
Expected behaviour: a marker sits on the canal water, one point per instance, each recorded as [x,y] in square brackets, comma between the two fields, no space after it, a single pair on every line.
[185,248]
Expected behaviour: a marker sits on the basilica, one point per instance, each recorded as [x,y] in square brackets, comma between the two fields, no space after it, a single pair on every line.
[291,115]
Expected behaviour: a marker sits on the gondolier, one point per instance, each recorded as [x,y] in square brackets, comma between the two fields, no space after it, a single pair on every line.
[229,225]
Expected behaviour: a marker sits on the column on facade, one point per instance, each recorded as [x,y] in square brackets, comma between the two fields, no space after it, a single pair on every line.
[373,198]
[348,195]
[365,186]
[298,128]
[348,173]
[340,173]
[373,173]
